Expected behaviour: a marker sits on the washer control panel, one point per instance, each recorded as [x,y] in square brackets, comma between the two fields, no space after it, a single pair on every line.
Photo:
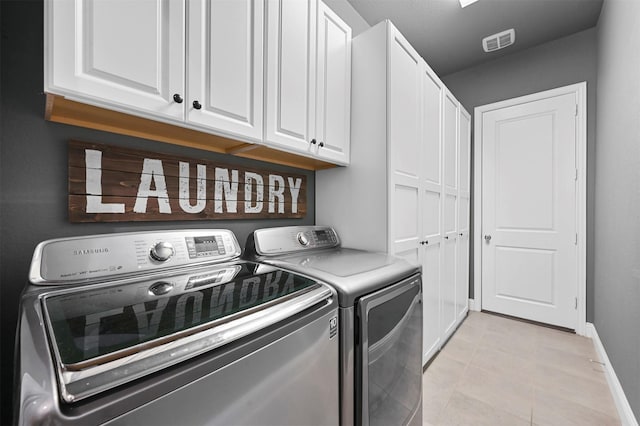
[100,257]
[290,239]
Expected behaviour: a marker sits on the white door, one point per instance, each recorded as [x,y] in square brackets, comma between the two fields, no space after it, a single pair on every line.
[450,201]
[529,252]
[404,131]
[291,74]
[431,213]
[134,61]
[226,66]
[334,86]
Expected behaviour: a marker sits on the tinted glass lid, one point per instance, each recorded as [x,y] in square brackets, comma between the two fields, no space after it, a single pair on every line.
[106,335]
[93,324]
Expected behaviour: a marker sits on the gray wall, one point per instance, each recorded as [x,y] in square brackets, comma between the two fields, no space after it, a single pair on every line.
[617,193]
[344,9]
[33,173]
[558,63]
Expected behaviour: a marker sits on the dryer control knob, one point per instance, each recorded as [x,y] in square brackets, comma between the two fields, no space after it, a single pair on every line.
[162,251]
[303,239]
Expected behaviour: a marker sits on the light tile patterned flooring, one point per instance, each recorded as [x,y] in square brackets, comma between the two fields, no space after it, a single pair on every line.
[500,371]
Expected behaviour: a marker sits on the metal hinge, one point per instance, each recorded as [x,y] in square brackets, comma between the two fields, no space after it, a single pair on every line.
[576,175]
[576,303]
[576,110]
[576,240]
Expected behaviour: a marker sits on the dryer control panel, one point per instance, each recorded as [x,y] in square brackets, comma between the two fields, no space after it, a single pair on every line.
[275,241]
[99,257]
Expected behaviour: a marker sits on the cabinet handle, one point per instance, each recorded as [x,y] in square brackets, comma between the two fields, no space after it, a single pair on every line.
[197,105]
[313,142]
[321,144]
[424,243]
[446,237]
[177,98]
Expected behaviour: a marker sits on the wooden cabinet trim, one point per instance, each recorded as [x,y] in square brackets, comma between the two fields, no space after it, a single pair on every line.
[61,110]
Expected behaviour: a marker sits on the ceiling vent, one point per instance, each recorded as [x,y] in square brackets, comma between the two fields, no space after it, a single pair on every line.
[499,41]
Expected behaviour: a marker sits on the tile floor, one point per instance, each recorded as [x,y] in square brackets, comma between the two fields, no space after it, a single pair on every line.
[500,371]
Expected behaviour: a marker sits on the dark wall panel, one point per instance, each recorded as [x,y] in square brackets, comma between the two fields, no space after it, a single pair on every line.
[33,173]
[561,62]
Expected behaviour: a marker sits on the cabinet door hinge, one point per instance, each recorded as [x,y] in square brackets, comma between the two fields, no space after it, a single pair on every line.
[576,240]
[576,110]
[576,307]
[576,175]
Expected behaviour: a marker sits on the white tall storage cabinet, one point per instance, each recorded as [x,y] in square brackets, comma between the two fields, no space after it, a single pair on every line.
[406,190]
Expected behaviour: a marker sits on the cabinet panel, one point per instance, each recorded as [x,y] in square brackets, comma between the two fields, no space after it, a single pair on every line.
[449,214]
[406,213]
[431,129]
[226,65]
[432,209]
[463,214]
[134,59]
[465,142]
[404,107]
[462,274]
[333,122]
[450,135]
[290,114]
[431,295]
[448,288]
[405,148]
[463,220]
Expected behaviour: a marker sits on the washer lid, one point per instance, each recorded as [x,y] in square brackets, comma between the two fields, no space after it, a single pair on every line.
[353,273]
[105,335]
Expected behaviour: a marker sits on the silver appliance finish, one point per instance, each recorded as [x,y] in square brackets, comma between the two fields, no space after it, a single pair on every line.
[101,342]
[381,367]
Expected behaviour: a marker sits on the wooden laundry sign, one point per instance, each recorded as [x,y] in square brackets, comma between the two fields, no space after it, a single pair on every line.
[113,184]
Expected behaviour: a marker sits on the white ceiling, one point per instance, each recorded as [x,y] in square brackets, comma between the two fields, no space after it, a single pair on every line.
[449,37]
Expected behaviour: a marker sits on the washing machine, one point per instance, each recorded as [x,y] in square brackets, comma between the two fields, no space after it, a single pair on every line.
[380,319]
[172,328]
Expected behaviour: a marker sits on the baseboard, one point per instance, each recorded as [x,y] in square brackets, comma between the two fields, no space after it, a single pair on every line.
[622,404]
[472,305]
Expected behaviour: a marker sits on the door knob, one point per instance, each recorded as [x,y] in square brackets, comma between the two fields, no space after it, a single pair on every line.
[177,98]
[487,238]
[197,105]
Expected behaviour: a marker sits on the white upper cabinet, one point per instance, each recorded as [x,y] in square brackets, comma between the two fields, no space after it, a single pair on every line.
[133,60]
[333,111]
[225,65]
[276,72]
[290,78]
[308,80]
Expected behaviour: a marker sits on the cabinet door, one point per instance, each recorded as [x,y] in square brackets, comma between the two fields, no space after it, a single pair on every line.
[431,181]
[464,203]
[333,110]
[404,146]
[226,66]
[121,54]
[291,74]
[449,211]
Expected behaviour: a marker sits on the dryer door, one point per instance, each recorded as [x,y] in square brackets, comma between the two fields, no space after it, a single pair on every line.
[389,356]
